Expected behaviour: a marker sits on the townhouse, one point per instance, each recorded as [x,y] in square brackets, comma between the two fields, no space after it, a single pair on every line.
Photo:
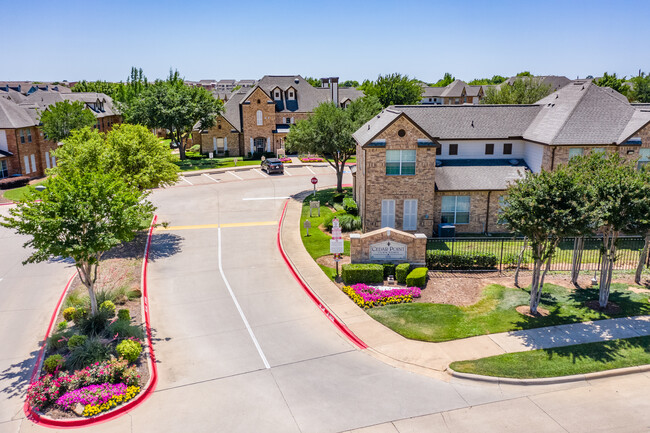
[257,119]
[24,150]
[457,92]
[422,166]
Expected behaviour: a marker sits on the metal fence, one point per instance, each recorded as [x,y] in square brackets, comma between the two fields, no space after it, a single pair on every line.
[508,249]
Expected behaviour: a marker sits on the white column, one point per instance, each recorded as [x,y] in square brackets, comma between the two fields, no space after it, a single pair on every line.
[225,143]
[252,149]
[268,144]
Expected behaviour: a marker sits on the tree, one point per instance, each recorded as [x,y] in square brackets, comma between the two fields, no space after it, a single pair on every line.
[496,79]
[135,85]
[314,81]
[446,80]
[544,207]
[130,151]
[176,107]
[526,90]
[395,89]
[60,119]
[328,132]
[524,74]
[109,89]
[640,91]
[642,225]
[350,83]
[80,216]
[612,81]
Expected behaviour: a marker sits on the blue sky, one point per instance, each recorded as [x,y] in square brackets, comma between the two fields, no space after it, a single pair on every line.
[349,39]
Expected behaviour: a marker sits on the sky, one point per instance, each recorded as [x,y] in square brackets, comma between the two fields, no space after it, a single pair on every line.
[349,39]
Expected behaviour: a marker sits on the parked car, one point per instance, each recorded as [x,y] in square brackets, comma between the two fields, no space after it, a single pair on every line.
[273,165]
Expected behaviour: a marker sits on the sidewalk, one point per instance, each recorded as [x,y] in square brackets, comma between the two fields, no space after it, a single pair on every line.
[433,358]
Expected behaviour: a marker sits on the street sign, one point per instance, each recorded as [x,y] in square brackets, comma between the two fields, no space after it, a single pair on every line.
[337,246]
[314,180]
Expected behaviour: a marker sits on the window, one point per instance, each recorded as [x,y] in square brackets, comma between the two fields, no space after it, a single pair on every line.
[4,171]
[455,209]
[26,164]
[439,150]
[276,95]
[22,136]
[400,162]
[287,120]
[401,133]
[259,118]
[29,135]
[598,150]
[507,148]
[575,151]
[291,94]
[388,213]
[645,158]
[502,206]
[453,149]
[489,148]
[456,101]
[410,215]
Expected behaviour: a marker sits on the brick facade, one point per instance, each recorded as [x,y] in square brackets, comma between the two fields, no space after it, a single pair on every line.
[221,130]
[258,101]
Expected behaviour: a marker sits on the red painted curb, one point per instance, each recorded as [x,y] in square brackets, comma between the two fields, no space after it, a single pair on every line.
[144,395]
[341,327]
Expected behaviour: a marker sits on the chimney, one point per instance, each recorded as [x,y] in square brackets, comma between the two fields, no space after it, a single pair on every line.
[332,83]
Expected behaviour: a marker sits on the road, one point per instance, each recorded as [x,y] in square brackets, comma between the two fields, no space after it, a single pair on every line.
[241,348]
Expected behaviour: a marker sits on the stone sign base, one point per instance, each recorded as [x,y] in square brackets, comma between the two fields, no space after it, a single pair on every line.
[388,246]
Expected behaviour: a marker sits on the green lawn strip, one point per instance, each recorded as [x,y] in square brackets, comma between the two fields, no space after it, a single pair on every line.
[203,164]
[17,194]
[562,361]
[495,312]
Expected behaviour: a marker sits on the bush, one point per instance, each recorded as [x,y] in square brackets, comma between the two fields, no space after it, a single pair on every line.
[134,294]
[129,350]
[76,341]
[95,324]
[350,206]
[92,351]
[68,313]
[13,182]
[107,307]
[124,330]
[362,273]
[401,272]
[417,278]
[62,326]
[338,197]
[79,315]
[124,315]
[389,269]
[195,148]
[441,260]
[58,339]
[347,222]
[54,363]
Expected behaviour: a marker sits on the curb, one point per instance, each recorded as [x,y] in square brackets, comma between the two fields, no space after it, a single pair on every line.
[252,166]
[325,310]
[149,387]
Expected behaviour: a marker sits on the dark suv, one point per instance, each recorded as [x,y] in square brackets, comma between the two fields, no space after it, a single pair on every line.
[273,165]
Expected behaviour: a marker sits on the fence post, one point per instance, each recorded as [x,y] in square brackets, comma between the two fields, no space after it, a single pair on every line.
[453,241]
[501,258]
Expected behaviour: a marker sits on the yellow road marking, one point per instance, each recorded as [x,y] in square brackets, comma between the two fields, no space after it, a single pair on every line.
[215,226]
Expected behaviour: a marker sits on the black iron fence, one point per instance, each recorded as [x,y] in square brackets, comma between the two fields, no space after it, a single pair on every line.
[460,252]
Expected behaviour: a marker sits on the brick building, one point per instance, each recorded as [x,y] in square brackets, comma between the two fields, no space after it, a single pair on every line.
[23,147]
[257,119]
[420,166]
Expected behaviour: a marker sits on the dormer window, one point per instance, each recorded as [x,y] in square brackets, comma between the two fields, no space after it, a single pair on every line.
[291,94]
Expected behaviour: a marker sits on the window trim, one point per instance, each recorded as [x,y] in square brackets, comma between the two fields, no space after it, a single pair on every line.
[489,148]
[259,118]
[455,147]
[402,162]
[455,212]
[507,148]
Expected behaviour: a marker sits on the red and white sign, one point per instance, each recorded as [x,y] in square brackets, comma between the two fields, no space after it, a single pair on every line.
[336,243]
[314,180]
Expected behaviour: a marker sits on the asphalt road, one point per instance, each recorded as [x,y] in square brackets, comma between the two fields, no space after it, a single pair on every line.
[242,349]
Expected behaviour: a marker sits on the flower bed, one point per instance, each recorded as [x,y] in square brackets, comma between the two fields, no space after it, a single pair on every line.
[285,160]
[311,159]
[368,296]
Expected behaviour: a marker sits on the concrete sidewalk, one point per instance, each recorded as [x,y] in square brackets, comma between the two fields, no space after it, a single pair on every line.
[433,358]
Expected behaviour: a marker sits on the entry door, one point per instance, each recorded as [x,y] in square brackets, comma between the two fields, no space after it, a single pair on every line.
[410,214]
[388,213]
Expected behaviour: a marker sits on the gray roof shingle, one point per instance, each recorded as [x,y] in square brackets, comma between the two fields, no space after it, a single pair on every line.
[13,116]
[478,175]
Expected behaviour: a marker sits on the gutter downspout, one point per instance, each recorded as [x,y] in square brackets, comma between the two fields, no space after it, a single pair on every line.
[553,158]
[487,213]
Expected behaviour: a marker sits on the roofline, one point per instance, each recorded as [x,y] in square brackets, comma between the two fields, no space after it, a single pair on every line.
[634,133]
[401,113]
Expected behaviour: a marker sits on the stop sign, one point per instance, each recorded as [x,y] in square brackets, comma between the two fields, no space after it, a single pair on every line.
[314,180]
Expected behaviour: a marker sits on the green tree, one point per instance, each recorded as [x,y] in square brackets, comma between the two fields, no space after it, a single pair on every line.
[175,107]
[612,81]
[350,83]
[525,90]
[496,79]
[314,81]
[524,74]
[80,216]
[640,91]
[395,89]
[60,119]
[328,132]
[109,89]
[446,80]
[545,207]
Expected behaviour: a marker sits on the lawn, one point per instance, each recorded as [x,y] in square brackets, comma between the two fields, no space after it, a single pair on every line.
[495,312]
[562,361]
[206,163]
[318,242]
[17,194]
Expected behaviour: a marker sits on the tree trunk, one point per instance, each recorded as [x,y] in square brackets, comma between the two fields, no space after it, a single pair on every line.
[578,248]
[519,260]
[541,283]
[181,146]
[85,272]
[609,256]
[534,286]
[339,180]
[643,258]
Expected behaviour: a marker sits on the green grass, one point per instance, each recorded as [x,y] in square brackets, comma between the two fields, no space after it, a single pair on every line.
[562,361]
[206,163]
[17,194]
[495,312]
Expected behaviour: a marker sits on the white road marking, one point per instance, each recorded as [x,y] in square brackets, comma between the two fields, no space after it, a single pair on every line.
[333,169]
[210,177]
[266,198]
[287,172]
[234,175]
[260,172]
[241,313]
[183,177]
[309,168]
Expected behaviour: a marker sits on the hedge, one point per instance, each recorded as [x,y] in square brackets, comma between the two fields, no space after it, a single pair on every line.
[13,182]
[389,269]
[417,278]
[350,206]
[401,271]
[441,260]
[362,273]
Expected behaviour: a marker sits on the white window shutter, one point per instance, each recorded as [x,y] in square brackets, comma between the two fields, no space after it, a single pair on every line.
[26,164]
[388,213]
[268,144]
[225,143]
[53,161]
[214,143]
[292,120]
[33,163]
[47,159]
[410,214]
[252,146]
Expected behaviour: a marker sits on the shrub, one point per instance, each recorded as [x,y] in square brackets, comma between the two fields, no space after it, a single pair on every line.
[401,272]
[62,326]
[58,339]
[76,341]
[124,315]
[327,220]
[417,278]
[134,294]
[129,350]
[107,307]
[347,222]
[92,351]
[54,363]
[350,206]
[76,299]
[195,148]
[79,315]
[123,329]
[68,313]
[362,273]
[445,261]
[95,324]
[338,197]
[389,269]
[13,182]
